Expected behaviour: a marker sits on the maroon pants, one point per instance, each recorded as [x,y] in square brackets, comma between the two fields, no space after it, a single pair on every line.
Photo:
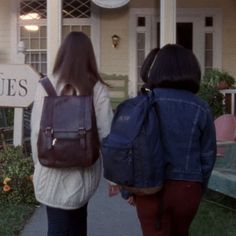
[171,211]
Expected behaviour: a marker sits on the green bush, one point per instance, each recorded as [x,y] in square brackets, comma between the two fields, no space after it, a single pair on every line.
[6,116]
[213,97]
[16,171]
[215,77]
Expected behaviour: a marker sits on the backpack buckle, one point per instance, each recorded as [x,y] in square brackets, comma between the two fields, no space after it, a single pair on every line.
[48,131]
[82,132]
[82,137]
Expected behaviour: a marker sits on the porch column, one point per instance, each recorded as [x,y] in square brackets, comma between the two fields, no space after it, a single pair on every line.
[168,21]
[54,25]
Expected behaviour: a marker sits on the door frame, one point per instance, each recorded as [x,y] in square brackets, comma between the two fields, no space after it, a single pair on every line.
[193,15]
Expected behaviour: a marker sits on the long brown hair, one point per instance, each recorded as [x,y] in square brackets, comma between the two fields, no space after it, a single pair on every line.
[75,63]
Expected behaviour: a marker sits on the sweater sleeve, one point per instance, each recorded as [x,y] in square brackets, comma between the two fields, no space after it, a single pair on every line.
[103,110]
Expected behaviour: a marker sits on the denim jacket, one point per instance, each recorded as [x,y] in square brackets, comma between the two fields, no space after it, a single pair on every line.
[188,135]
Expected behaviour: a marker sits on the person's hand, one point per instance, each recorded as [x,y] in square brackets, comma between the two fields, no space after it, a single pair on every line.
[131,200]
[113,190]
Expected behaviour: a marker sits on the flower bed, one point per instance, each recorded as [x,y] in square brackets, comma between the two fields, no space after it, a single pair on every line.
[16,171]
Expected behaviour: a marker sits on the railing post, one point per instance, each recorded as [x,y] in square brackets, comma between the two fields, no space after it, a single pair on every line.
[232,93]
[54,22]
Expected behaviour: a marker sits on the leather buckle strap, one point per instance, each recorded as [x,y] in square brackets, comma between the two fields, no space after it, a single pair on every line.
[82,137]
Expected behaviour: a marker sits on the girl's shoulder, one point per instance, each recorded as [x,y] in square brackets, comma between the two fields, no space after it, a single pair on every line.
[100,89]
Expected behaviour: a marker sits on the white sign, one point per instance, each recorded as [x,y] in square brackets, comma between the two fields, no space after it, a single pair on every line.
[17,85]
[110,3]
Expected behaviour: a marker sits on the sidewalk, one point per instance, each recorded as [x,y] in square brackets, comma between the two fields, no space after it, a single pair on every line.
[106,217]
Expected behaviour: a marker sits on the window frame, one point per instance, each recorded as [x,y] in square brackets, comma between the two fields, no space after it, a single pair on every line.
[16,23]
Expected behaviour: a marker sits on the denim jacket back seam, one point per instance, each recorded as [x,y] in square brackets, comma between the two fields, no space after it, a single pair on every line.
[191,138]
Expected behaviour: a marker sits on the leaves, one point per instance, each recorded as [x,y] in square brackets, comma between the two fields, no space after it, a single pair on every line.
[213,97]
[213,78]
[15,172]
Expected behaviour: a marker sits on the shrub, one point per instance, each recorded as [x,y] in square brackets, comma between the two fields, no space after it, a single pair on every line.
[16,171]
[219,79]
[213,97]
[6,116]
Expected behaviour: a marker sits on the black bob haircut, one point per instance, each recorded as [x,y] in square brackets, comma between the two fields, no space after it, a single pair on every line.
[175,67]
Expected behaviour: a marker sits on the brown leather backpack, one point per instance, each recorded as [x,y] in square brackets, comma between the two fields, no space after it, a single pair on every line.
[68,134]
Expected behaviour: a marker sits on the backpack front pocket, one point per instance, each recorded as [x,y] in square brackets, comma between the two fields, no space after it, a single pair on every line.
[118,169]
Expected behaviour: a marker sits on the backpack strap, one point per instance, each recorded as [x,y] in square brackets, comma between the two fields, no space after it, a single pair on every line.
[47,85]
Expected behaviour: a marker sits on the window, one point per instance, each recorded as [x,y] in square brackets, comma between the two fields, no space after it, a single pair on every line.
[140,55]
[209,38]
[76,16]
[33,32]
[209,21]
[80,28]
[36,48]
[141,46]
[33,27]
[184,34]
[29,6]
[76,9]
[141,21]
[208,51]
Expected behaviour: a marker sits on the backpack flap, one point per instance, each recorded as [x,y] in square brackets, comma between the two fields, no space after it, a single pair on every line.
[68,133]
[61,118]
[79,106]
[127,122]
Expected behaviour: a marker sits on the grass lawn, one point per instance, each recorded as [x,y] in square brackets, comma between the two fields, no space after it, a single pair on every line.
[216,216]
[13,218]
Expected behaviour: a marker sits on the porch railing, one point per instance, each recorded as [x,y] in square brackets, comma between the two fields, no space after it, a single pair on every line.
[229,100]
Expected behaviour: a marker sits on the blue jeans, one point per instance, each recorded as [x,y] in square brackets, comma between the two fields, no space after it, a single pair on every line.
[67,222]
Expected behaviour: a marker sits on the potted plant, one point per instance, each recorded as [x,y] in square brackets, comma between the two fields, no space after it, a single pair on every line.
[219,79]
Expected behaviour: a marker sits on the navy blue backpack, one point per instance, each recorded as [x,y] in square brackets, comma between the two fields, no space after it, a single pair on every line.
[133,151]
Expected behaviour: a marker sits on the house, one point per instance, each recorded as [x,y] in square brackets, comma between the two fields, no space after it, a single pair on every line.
[122,32]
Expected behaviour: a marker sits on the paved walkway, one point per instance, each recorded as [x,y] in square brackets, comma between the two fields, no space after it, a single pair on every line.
[106,217]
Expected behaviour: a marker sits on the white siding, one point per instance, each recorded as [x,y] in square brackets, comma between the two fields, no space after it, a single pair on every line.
[114,60]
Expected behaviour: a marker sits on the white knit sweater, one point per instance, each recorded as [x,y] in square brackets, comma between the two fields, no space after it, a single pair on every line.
[68,188]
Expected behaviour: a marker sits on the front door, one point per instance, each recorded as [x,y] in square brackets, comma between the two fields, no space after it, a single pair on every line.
[184,37]
[184,34]
[195,30]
